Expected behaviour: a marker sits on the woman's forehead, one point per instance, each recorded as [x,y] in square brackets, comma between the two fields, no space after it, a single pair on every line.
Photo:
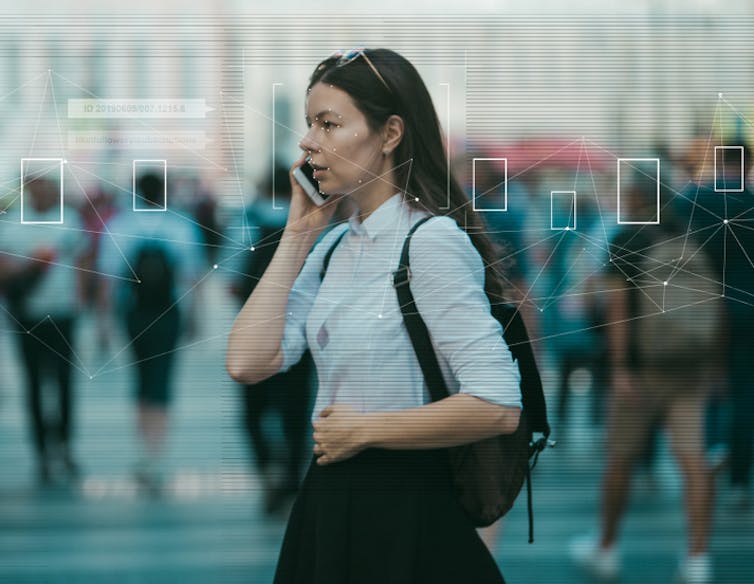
[325,98]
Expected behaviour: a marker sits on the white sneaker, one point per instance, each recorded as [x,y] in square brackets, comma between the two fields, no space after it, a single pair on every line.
[601,563]
[695,570]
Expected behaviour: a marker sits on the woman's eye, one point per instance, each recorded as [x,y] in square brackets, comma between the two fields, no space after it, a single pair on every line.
[328,125]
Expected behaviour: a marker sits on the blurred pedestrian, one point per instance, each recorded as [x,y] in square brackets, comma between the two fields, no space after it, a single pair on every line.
[724,217]
[289,393]
[42,291]
[153,259]
[665,322]
[95,213]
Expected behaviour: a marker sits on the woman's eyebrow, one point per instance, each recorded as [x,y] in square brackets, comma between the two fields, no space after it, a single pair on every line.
[322,114]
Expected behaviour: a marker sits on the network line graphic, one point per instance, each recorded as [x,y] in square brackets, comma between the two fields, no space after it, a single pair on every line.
[569,230]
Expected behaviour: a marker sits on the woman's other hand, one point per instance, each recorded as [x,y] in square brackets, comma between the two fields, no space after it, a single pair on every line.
[339,433]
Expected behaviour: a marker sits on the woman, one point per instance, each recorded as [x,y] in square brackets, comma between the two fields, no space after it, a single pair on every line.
[376,504]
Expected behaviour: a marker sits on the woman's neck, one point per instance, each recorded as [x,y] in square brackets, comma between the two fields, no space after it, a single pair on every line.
[367,201]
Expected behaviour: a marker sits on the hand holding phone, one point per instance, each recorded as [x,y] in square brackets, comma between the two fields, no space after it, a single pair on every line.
[304,175]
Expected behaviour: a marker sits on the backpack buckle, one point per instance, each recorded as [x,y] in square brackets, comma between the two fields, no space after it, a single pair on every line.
[401,276]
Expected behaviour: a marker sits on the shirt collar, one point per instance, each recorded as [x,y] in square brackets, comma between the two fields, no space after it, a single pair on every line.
[382,218]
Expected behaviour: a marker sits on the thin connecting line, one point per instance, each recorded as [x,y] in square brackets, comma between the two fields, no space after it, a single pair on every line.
[530,167]
[23,331]
[150,325]
[104,225]
[39,118]
[223,335]
[23,85]
[67,266]
[235,165]
[57,118]
[622,321]
[701,170]
[62,336]
[172,212]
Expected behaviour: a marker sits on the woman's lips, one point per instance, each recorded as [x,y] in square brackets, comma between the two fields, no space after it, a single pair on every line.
[318,170]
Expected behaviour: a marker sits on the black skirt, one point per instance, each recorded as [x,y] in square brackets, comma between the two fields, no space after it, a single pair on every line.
[382,517]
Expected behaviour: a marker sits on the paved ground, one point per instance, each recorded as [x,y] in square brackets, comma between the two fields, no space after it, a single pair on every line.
[208,526]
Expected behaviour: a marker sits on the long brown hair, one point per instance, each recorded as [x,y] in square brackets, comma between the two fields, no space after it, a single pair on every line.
[420,160]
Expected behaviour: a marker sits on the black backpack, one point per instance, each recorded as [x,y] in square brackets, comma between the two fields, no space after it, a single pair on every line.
[155,290]
[488,474]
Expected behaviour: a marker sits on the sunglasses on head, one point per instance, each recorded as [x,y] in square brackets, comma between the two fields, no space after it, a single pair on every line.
[346,57]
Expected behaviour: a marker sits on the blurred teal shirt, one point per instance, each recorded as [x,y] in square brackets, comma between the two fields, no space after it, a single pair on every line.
[129,230]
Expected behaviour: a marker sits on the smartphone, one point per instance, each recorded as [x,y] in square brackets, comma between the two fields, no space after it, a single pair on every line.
[304,175]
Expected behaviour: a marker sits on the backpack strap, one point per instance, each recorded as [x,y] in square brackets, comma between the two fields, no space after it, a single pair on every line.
[328,255]
[517,339]
[415,326]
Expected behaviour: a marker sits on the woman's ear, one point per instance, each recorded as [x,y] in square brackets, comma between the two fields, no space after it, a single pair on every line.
[392,134]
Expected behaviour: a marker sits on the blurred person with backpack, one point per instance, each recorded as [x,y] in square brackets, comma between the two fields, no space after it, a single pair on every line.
[42,287]
[665,323]
[154,260]
[721,212]
[288,393]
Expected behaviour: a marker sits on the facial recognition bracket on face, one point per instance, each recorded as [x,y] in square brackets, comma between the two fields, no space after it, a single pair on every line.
[729,157]
[142,203]
[489,184]
[636,207]
[563,210]
[33,169]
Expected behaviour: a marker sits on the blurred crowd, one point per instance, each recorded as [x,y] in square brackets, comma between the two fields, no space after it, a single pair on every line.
[658,313]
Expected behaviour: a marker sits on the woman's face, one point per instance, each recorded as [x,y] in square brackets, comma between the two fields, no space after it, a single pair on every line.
[344,152]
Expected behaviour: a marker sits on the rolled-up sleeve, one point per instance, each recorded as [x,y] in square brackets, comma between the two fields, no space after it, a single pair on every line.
[300,301]
[448,286]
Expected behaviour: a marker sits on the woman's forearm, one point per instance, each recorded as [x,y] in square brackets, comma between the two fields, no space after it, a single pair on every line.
[457,419]
[257,333]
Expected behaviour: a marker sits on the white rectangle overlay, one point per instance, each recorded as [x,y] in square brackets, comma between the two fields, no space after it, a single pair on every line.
[505,183]
[571,195]
[725,189]
[657,178]
[164,164]
[59,162]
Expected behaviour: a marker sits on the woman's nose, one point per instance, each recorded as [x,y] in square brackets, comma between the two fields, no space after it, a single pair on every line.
[308,144]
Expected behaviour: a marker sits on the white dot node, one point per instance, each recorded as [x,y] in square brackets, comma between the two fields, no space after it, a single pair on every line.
[725,221]
[379,316]
[214,267]
[720,95]
[416,199]
[665,283]
[252,248]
